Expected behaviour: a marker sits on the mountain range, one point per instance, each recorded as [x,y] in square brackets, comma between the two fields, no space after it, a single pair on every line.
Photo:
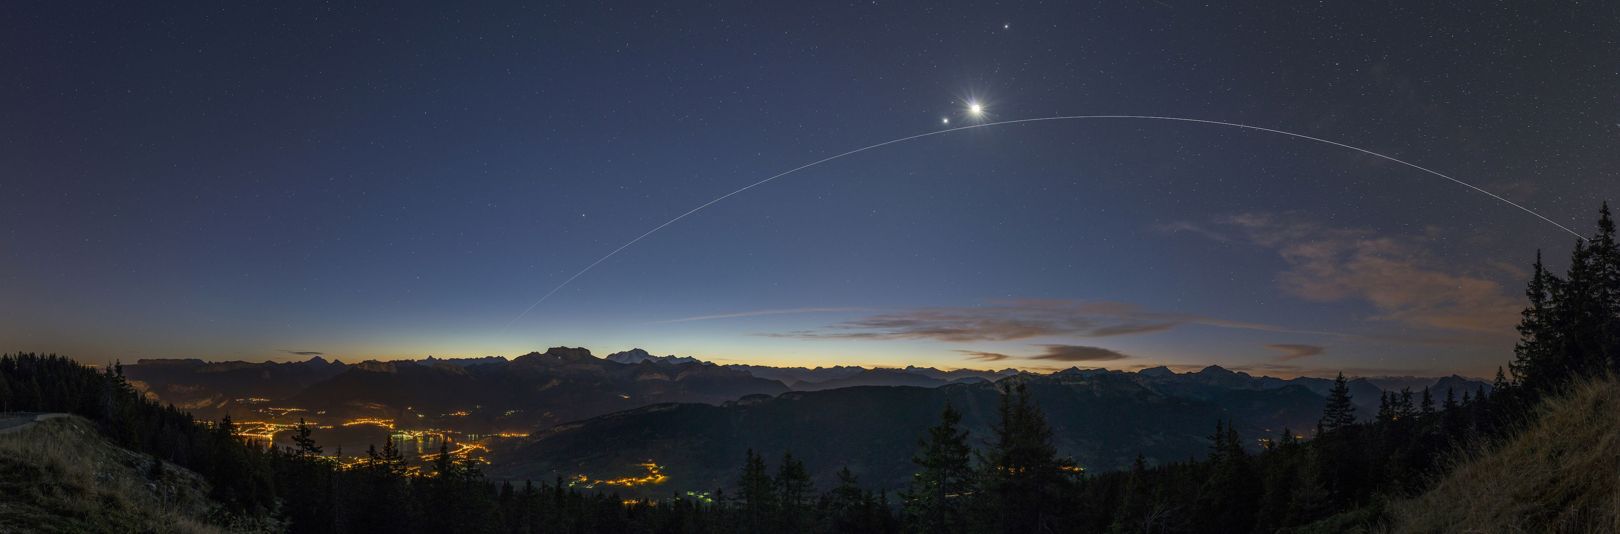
[819,378]
[536,389]
[697,418]
[527,382]
[553,386]
[212,388]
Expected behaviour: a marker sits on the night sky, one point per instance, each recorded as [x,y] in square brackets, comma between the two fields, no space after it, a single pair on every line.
[392,181]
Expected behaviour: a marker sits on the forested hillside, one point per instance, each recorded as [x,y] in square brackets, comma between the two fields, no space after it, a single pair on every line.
[1562,473]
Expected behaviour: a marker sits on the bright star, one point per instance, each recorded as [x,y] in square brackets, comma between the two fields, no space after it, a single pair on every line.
[946,120]
[975,108]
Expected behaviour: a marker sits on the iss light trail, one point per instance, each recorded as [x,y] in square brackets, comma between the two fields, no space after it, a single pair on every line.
[976,110]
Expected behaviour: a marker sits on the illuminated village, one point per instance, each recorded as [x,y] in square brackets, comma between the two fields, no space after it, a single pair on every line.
[421,443]
[269,422]
[654,476]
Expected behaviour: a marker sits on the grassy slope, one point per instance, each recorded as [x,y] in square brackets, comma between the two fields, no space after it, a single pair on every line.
[61,476]
[1562,474]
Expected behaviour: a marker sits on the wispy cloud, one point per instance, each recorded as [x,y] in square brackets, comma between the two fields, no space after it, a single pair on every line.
[1397,275]
[1020,319]
[1052,352]
[760,313]
[304,352]
[1078,353]
[984,356]
[1295,351]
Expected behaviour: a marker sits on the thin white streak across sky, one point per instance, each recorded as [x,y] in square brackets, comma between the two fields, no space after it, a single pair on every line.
[677,218]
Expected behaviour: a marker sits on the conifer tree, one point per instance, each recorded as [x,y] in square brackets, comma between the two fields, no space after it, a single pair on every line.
[1229,497]
[1339,411]
[756,494]
[1452,420]
[1585,308]
[1023,477]
[1386,409]
[943,482]
[1533,354]
[226,428]
[849,508]
[304,445]
[1404,410]
[1217,443]
[1137,500]
[793,493]
[388,462]
[393,457]
[441,463]
[1606,255]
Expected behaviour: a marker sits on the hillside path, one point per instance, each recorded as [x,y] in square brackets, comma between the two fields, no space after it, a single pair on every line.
[20,421]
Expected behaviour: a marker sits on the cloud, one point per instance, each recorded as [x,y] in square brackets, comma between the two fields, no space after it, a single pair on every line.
[304,352]
[1078,353]
[1019,319]
[984,356]
[1283,370]
[1396,275]
[1127,329]
[758,313]
[1052,352]
[1292,351]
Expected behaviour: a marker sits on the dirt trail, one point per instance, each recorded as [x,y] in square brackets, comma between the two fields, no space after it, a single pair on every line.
[20,421]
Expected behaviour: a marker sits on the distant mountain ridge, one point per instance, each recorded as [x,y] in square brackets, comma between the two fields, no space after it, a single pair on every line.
[209,388]
[463,362]
[214,388]
[820,378]
[634,356]
[535,389]
[566,384]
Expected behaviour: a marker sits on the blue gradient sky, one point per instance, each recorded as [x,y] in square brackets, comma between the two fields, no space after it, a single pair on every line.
[392,180]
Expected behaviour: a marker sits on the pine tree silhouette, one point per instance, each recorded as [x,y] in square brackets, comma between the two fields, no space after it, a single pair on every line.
[935,501]
[1339,411]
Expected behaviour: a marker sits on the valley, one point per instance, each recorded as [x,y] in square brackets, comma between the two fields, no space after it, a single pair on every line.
[680,424]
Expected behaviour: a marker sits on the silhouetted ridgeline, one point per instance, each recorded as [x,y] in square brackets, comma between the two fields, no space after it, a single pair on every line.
[1346,474]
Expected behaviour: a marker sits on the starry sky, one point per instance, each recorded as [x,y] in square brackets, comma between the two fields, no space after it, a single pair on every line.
[397,179]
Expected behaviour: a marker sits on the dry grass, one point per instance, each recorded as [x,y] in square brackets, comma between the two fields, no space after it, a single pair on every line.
[62,476]
[1562,474]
